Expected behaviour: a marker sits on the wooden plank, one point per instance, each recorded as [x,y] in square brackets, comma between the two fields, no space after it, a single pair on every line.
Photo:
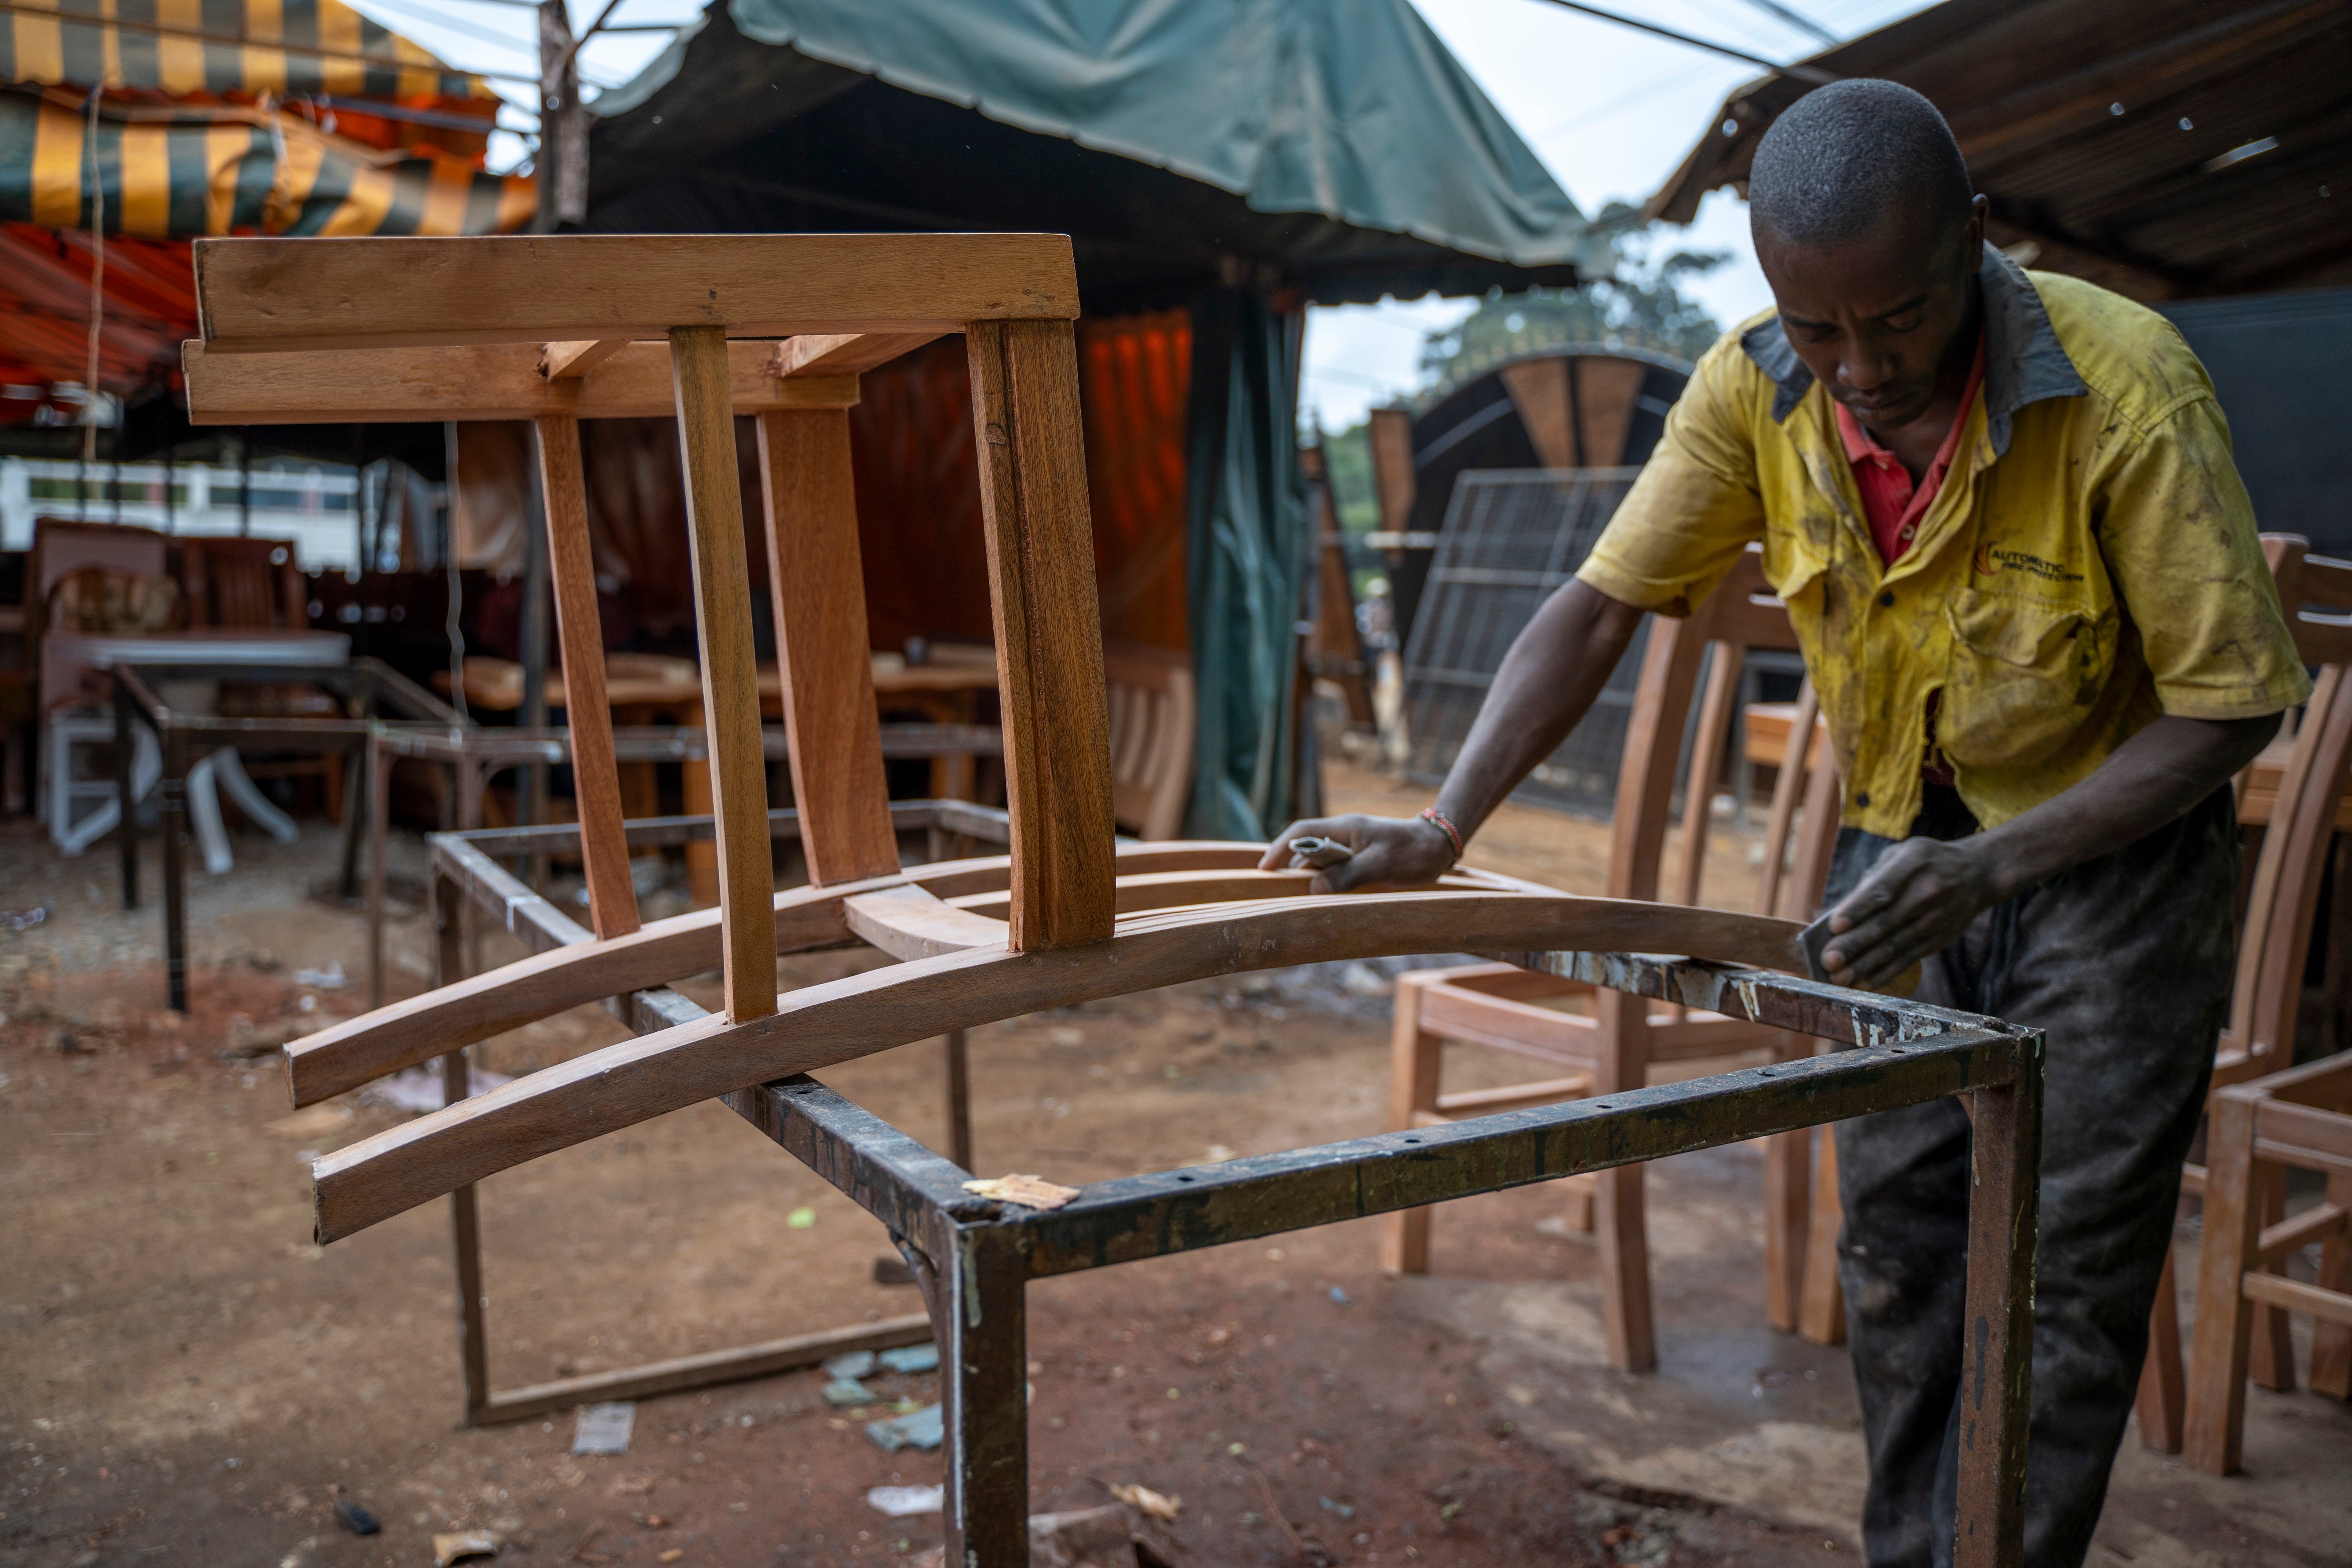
[2278,1290]
[2294,1130]
[2291,1236]
[1821,1311]
[596,774]
[2163,1381]
[1393,476]
[1539,389]
[817,585]
[1487,1101]
[843,354]
[1606,390]
[821,1025]
[475,1007]
[495,381]
[1033,487]
[730,671]
[702,1371]
[257,295]
[909,923]
[561,361]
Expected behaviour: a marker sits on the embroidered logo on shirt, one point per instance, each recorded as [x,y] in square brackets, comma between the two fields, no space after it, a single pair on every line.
[1992,560]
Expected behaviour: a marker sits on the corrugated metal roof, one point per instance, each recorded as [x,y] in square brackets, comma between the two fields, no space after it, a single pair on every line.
[2162,148]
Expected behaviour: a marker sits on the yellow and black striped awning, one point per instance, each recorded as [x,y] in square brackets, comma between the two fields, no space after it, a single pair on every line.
[170,170]
[294,117]
[182,47]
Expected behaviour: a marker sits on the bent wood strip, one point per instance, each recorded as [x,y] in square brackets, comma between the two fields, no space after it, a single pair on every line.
[821,1025]
[1136,893]
[257,295]
[911,924]
[492,380]
[408,1032]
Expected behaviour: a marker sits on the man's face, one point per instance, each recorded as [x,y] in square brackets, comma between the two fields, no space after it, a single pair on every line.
[1875,319]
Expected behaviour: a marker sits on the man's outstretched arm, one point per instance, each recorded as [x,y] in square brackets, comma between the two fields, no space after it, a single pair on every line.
[1554,670]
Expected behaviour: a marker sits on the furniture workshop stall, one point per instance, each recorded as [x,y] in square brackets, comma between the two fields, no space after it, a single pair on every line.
[1069,915]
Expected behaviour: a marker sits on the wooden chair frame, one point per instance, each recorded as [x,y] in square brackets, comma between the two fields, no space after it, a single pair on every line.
[1613,1047]
[2300,1117]
[2273,944]
[1053,923]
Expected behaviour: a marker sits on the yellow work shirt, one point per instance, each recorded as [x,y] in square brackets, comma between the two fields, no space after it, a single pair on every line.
[2091,562]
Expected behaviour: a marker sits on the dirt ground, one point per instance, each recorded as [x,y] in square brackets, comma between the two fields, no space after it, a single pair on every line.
[185,1379]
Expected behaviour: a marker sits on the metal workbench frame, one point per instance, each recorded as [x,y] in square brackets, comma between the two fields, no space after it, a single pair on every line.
[974,1257]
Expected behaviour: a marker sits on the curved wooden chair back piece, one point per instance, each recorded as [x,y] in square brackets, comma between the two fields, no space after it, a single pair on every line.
[1614,1046]
[2274,944]
[556,328]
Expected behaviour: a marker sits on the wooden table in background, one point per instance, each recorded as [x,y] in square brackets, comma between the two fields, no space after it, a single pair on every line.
[653,689]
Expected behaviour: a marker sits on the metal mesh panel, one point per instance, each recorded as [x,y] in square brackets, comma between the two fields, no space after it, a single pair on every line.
[1511,537]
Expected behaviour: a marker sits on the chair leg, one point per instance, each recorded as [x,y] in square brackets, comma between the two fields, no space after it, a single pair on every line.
[1416,1060]
[1622,1228]
[2217,1361]
[2270,1355]
[2161,1376]
[1821,1309]
[1787,1211]
[1577,1195]
[2331,1343]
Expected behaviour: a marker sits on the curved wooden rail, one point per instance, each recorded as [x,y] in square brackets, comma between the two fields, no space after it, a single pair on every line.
[820,1026]
[402,1034]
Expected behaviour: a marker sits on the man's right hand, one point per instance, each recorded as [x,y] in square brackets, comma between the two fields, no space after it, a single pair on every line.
[1392,851]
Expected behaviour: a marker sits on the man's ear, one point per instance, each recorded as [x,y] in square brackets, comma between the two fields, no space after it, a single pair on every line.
[1980,209]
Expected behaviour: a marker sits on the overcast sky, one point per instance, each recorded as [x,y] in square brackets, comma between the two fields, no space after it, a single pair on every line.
[1611,110]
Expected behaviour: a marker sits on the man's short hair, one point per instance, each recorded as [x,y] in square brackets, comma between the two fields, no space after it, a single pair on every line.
[1830,168]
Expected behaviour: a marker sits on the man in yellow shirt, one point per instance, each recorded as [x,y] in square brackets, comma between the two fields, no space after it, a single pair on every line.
[2001,510]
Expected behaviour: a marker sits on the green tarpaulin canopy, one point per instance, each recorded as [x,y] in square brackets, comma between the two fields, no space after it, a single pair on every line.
[1236,158]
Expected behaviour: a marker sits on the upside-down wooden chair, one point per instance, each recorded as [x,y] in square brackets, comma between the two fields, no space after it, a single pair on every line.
[1152,718]
[2273,942]
[1068,916]
[1615,1046]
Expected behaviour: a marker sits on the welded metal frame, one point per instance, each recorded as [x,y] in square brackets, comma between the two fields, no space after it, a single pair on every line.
[367,687]
[974,1257]
[466,877]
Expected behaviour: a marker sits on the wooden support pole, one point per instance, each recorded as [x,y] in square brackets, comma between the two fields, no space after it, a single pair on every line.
[596,775]
[731,689]
[818,588]
[1033,490]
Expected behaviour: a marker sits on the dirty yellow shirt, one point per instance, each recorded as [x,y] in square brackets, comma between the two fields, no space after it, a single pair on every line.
[2091,562]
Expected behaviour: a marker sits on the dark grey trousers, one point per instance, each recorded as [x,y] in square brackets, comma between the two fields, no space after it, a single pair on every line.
[2125,963]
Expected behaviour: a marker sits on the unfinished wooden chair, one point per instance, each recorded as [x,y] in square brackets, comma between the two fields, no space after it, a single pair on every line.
[1071,915]
[2298,1119]
[242,582]
[1152,718]
[2274,943]
[1619,1042]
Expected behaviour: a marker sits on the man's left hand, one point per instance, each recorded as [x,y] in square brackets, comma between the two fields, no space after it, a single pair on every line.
[1917,900]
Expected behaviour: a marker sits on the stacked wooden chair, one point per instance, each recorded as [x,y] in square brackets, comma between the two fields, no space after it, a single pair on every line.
[1615,1046]
[2243,1296]
[557,328]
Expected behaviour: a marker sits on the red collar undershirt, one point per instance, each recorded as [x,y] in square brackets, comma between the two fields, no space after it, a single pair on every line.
[1890,501]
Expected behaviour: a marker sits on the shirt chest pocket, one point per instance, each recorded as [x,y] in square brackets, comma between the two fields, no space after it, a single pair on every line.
[2024,675]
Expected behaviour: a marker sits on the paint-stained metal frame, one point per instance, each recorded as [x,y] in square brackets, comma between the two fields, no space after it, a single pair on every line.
[465,875]
[974,1257]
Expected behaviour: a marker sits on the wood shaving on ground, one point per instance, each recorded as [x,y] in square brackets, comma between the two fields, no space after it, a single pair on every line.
[1029,1192]
[1149,1503]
